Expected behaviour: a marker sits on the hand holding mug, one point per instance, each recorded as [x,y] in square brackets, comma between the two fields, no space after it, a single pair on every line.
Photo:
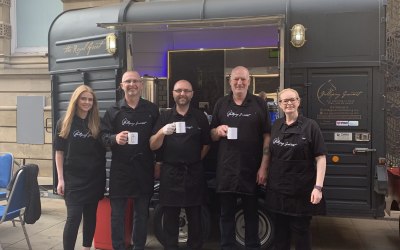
[168,129]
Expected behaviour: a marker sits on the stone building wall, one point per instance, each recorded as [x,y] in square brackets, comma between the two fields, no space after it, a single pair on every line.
[24,74]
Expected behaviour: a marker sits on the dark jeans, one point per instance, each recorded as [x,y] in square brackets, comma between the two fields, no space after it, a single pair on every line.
[227,220]
[74,217]
[171,227]
[288,227]
[140,216]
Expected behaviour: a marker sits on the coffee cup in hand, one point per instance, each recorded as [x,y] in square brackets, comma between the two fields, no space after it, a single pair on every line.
[133,138]
[180,127]
[232,133]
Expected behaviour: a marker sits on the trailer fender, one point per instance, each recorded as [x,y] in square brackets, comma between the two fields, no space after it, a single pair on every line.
[381,180]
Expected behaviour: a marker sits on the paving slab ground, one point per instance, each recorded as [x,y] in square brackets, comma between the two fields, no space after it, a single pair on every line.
[329,233]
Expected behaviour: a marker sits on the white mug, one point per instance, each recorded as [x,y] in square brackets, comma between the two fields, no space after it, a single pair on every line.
[180,127]
[232,133]
[133,137]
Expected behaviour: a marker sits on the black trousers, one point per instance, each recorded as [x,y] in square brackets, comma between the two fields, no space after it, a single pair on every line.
[171,227]
[227,221]
[292,227]
[74,217]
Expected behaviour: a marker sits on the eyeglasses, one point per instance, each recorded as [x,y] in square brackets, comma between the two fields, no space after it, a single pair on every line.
[286,101]
[130,81]
[186,91]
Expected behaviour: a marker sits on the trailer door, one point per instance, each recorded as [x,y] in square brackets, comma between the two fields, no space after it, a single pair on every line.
[340,100]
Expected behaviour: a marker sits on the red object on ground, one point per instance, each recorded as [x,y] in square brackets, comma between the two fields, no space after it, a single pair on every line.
[102,235]
[394,183]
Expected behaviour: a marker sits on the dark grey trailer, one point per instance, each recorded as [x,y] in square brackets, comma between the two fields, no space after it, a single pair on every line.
[78,55]
[337,71]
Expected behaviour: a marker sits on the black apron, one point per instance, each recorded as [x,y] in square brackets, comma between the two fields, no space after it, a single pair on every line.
[182,180]
[182,184]
[291,181]
[132,166]
[292,177]
[84,166]
[237,171]
[240,159]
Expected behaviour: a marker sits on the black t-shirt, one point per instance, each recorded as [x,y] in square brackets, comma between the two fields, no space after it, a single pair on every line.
[284,147]
[182,180]
[292,170]
[184,147]
[239,160]
[84,163]
[140,120]
[251,118]
[132,166]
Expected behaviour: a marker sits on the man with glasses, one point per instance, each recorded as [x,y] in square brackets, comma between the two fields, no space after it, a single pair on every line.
[241,124]
[132,166]
[183,135]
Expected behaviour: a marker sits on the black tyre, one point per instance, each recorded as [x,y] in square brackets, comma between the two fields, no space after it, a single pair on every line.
[183,225]
[266,228]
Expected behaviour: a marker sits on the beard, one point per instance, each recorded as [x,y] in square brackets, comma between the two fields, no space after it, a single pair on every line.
[182,101]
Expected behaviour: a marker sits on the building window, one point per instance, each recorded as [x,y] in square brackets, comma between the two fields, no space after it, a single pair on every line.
[30,22]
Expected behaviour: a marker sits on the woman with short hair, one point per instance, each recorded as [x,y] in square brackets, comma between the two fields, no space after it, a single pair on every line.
[295,174]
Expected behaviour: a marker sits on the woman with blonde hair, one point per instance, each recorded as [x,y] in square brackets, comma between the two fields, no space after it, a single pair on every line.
[80,162]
